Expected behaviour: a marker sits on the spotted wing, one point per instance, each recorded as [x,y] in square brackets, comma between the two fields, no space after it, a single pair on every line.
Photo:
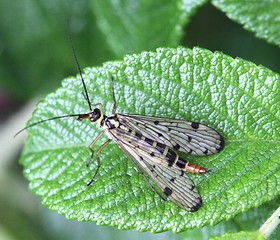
[171,180]
[189,137]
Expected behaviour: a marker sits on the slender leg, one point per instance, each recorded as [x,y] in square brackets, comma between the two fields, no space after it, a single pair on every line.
[91,147]
[100,106]
[114,97]
[84,95]
[97,158]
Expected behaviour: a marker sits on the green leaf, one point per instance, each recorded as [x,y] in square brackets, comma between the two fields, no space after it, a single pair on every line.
[240,236]
[234,96]
[260,17]
[134,26]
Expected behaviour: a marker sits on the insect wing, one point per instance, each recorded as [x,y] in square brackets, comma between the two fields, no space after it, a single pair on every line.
[184,136]
[172,181]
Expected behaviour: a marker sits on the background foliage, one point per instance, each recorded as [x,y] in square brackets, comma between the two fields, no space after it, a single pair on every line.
[35,56]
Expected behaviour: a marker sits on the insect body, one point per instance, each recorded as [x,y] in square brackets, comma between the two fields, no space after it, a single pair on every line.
[152,144]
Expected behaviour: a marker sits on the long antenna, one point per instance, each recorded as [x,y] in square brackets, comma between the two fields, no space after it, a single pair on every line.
[80,116]
[46,120]
[78,65]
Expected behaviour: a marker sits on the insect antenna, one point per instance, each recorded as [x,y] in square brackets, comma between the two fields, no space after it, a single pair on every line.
[78,66]
[85,93]
[46,120]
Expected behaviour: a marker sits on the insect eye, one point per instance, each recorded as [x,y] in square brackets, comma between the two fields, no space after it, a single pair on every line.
[95,115]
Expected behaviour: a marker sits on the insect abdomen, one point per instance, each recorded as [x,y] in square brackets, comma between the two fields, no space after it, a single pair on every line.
[189,167]
[173,157]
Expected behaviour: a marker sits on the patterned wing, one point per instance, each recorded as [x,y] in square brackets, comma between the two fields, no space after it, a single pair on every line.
[189,137]
[171,180]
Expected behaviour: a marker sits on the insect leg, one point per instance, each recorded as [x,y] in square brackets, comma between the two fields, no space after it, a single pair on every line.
[84,95]
[97,158]
[91,146]
[100,106]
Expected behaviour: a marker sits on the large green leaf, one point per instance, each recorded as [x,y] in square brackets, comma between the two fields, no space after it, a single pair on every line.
[260,17]
[133,26]
[234,96]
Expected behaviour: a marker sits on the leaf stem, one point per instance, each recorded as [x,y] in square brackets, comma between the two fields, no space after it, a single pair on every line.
[271,224]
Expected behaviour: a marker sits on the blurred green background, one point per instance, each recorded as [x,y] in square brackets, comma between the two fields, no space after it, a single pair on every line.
[35,56]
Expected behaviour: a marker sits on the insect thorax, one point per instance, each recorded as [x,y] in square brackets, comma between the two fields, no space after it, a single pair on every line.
[110,122]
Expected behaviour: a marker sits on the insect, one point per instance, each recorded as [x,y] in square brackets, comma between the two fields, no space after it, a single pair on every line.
[153,144]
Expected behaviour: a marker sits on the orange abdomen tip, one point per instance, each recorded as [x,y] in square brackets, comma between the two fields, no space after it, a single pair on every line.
[194,168]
